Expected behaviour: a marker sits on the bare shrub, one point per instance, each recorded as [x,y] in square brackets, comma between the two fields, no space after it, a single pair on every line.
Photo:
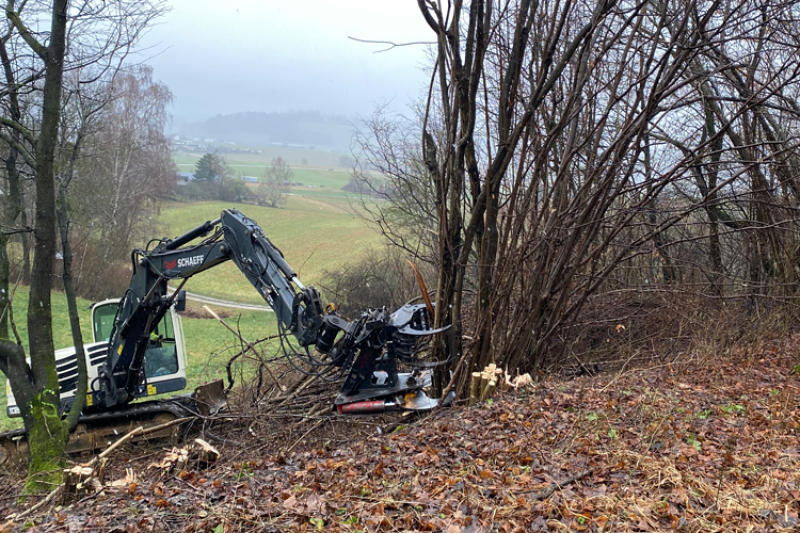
[620,330]
[97,278]
[383,278]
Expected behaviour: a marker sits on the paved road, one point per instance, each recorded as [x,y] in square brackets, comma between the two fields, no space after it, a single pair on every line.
[225,303]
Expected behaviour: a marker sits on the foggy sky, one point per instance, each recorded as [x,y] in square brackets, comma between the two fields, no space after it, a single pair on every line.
[249,55]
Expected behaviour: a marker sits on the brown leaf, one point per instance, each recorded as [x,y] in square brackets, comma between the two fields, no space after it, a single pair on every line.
[291,504]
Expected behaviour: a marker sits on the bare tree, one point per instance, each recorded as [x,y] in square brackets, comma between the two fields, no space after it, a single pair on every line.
[274,189]
[36,386]
[36,140]
[571,151]
[125,167]
[390,167]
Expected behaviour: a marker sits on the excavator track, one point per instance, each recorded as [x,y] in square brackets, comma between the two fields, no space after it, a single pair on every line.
[97,431]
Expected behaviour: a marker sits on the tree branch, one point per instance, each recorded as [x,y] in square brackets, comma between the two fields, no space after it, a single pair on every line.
[9,352]
[26,155]
[25,132]
[390,43]
[428,18]
[14,231]
[24,32]
[27,82]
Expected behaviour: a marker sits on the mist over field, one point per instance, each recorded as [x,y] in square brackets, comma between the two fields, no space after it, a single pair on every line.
[297,129]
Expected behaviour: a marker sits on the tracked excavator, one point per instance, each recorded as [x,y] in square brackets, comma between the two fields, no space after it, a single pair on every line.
[139,352]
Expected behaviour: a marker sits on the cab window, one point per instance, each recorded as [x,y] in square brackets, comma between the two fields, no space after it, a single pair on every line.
[103,317]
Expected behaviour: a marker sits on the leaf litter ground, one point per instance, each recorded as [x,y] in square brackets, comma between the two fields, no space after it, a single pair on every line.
[693,447]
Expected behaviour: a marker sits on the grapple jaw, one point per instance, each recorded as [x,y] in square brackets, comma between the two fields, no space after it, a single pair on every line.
[373,383]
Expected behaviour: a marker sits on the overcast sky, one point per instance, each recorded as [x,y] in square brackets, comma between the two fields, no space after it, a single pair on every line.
[249,55]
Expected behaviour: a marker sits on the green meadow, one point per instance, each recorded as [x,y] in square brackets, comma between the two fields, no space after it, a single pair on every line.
[296,156]
[323,173]
[316,235]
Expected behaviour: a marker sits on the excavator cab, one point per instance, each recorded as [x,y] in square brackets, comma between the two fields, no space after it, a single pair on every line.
[161,357]
[164,365]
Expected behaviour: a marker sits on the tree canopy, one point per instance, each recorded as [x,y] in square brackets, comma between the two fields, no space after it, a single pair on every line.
[211,167]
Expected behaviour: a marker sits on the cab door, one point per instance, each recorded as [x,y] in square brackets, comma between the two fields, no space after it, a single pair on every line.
[164,357]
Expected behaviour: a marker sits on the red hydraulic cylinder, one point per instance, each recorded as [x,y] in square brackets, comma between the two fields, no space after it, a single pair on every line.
[366,407]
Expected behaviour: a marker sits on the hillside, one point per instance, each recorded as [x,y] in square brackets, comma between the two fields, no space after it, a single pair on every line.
[302,128]
[696,446]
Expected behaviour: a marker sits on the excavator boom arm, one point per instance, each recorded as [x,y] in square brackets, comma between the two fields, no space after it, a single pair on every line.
[238,239]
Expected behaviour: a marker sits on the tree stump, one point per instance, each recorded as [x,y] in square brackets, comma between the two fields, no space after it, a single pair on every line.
[206,453]
[78,481]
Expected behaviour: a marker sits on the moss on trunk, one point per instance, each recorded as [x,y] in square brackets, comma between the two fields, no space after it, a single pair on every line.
[47,438]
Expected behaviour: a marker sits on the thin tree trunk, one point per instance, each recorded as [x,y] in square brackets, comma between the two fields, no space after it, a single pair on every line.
[74,320]
[47,435]
[12,202]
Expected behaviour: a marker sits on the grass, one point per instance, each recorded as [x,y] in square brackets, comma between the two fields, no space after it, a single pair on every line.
[315,235]
[319,193]
[295,156]
[210,345]
[319,170]
[62,335]
[332,180]
[319,176]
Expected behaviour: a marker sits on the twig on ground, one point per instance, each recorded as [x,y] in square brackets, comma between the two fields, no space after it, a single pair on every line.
[315,426]
[135,433]
[546,493]
[50,497]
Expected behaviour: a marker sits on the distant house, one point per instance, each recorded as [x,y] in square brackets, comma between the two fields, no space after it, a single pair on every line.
[185,177]
[250,179]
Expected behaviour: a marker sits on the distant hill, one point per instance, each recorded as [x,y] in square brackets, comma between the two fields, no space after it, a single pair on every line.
[302,128]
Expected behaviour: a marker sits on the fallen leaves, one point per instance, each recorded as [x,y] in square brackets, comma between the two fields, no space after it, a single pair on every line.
[693,449]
